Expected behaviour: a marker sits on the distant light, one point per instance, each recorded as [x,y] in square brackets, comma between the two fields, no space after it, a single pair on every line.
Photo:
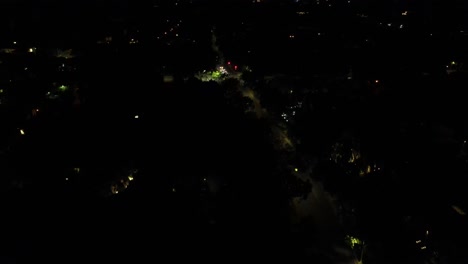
[453,63]
[228,63]
[296,169]
[14,42]
[319,34]
[137,116]
[418,241]
[458,210]
[204,179]
[401,26]
[423,247]
[22,132]
[235,68]
[66,179]
[130,178]
[404,13]
[427,232]
[31,50]
[77,170]
[173,190]
[377,81]
[63,87]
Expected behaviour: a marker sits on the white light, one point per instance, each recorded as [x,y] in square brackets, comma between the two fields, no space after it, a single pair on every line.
[423,247]
[296,169]
[66,179]
[22,132]
[14,42]
[418,241]
[137,116]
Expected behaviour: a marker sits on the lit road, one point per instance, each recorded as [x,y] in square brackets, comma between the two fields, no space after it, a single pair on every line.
[316,212]
[259,110]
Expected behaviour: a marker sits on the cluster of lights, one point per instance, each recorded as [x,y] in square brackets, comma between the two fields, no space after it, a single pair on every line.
[222,70]
[172,29]
[123,183]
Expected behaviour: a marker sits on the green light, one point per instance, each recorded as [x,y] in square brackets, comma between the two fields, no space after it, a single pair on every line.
[352,241]
[216,75]
[63,88]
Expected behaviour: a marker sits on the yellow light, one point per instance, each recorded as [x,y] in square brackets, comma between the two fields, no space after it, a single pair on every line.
[31,50]
[22,132]
[453,63]
[1,91]
[77,170]
[296,169]
[130,178]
